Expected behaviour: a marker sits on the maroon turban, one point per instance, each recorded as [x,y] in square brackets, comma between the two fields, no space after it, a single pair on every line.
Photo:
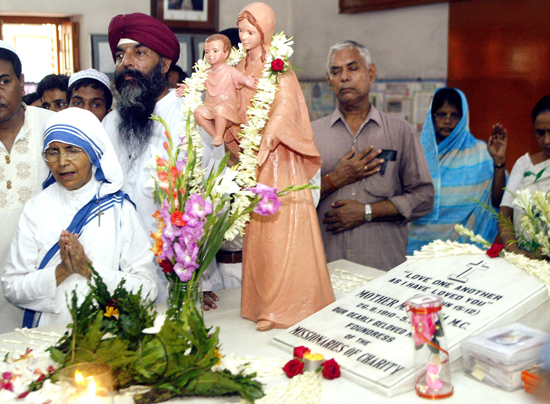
[147,31]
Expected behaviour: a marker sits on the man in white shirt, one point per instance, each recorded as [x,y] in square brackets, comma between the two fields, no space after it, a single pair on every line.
[21,134]
[143,49]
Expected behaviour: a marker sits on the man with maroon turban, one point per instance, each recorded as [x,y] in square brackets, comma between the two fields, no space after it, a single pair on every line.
[143,49]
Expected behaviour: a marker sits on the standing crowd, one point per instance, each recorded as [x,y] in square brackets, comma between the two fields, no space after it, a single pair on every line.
[74,174]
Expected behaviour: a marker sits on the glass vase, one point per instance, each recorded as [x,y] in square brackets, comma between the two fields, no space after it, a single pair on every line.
[184,299]
[431,359]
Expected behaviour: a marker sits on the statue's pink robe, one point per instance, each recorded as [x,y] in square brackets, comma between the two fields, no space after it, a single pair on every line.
[223,95]
[285,276]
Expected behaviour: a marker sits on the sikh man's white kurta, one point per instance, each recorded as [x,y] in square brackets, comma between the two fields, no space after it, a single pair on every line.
[137,175]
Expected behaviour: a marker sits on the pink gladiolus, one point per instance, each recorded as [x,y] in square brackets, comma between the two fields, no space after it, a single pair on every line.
[197,207]
[261,190]
[268,205]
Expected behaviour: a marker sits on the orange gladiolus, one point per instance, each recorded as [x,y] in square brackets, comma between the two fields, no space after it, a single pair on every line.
[157,247]
[162,162]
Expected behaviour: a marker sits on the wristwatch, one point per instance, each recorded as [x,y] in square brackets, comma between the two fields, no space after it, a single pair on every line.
[368,213]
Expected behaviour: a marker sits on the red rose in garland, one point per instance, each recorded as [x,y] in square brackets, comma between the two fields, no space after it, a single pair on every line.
[293,368]
[277,65]
[299,352]
[495,250]
[331,370]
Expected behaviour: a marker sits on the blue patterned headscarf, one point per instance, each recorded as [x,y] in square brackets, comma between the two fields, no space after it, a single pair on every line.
[462,173]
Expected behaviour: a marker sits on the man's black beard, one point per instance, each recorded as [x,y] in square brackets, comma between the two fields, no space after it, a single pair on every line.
[136,103]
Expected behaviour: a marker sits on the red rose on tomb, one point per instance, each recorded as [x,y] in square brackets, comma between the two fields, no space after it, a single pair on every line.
[299,352]
[167,266]
[277,65]
[293,368]
[495,249]
[331,370]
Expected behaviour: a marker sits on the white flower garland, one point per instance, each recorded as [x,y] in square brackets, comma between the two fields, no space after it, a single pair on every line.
[257,116]
[439,248]
[193,98]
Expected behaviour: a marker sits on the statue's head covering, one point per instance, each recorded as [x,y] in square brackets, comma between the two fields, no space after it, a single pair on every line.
[265,17]
[81,128]
[145,30]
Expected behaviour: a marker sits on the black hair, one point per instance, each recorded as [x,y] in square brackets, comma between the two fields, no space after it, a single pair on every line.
[233,35]
[30,98]
[542,106]
[181,74]
[52,82]
[9,56]
[98,85]
[449,95]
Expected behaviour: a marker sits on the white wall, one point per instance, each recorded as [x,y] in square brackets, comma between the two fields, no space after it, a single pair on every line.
[406,43]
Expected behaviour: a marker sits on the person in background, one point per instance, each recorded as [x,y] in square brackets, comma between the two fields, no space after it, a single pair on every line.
[52,90]
[175,76]
[143,49]
[374,178]
[81,218]
[466,172]
[530,172]
[91,90]
[32,99]
[21,133]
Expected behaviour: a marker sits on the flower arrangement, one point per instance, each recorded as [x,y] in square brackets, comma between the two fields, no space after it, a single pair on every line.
[194,214]
[534,234]
[174,359]
[257,115]
[329,369]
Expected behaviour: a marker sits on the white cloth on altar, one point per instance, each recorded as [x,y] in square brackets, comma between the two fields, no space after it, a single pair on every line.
[115,242]
[24,169]
[169,108]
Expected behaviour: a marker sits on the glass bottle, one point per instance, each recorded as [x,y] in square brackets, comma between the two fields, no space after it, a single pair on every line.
[431,359]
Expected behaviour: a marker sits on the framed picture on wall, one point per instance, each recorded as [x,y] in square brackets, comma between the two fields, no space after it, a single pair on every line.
[186,53]
[187,15]
[198,47]
[102,59]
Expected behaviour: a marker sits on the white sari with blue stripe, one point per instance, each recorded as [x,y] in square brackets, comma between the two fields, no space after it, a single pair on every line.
[462,172]
[99,212]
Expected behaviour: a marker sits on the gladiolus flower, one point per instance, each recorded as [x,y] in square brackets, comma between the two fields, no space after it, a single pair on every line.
[177,219]
[268,205]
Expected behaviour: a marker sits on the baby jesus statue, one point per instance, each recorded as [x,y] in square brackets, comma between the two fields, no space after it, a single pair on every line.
[222,107]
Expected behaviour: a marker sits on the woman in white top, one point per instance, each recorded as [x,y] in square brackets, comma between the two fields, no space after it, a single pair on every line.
[80,217]
[530,172]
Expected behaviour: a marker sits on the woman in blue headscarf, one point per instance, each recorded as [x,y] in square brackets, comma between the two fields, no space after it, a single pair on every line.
[465,171]
[80,217]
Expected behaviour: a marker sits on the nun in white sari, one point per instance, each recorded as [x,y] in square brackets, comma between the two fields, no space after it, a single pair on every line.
[81,216]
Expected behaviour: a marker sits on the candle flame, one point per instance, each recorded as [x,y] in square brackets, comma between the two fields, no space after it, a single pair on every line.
[78,377]
[91,388]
